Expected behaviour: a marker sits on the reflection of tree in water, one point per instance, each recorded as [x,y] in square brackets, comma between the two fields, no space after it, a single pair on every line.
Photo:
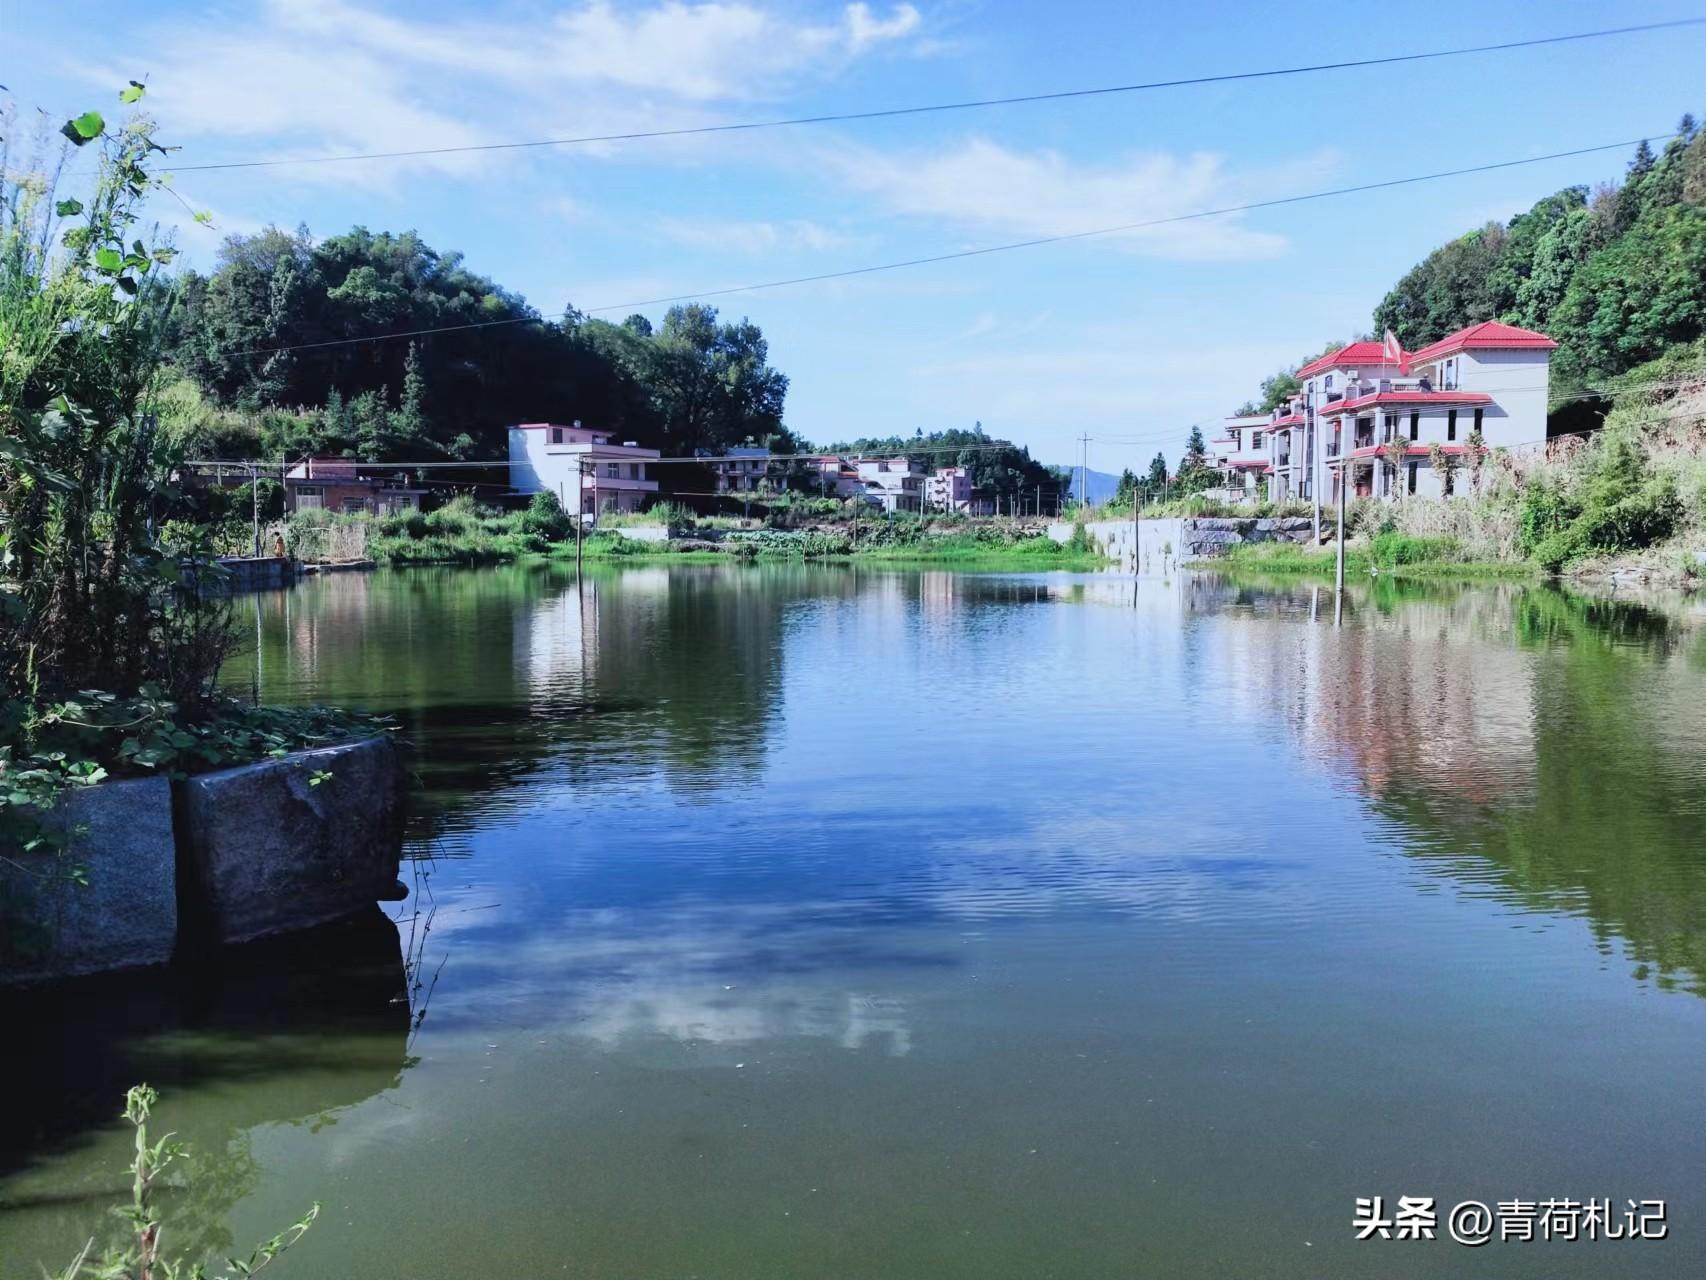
[276,1031]
[1538,746]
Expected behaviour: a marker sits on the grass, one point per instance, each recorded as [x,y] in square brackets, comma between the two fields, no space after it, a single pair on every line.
[1412,558]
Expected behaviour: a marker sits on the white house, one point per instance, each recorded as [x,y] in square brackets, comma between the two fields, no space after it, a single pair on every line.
[566,460]
[742,469]
[949,489]
[1488,377]
[1240,453]
[895,484]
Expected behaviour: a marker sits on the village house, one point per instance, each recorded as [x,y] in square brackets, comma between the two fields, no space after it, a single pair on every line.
[1241,455]
[948,489]
[895,484]
[566,460]
[743,469]
[1489,379]
[836,477]
[348,487]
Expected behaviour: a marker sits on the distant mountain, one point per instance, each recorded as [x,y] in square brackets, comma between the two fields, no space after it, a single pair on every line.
[1102,484]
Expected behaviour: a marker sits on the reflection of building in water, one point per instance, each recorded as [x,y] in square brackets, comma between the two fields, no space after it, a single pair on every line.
[1535,746]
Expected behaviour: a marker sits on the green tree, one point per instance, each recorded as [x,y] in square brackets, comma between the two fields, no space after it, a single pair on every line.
[1452,287]
[1642,293]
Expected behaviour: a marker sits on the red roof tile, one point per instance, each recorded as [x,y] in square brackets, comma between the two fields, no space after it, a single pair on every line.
[1489,335]
[1355,356]
[1405,397]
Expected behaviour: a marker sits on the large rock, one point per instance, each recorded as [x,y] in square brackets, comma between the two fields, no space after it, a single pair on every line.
[124,916]
[298,841]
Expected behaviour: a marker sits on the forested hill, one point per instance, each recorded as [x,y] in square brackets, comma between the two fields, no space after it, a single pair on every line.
[694,383]
[1617,276]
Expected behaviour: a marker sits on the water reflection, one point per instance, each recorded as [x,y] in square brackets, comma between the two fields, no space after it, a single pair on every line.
[807,918]
[1538,746]
[291,1030]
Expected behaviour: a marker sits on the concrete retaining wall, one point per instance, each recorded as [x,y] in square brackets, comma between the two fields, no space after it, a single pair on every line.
[120,910]
[294,842]
[643,532]
[252,573]
[1167,542]
[221,857]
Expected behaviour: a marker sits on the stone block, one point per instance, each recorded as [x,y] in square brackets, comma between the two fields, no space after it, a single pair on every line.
[289,843]
[124,917]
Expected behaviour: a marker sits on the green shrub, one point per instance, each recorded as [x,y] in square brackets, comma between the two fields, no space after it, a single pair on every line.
[1616,503]
[1392,549]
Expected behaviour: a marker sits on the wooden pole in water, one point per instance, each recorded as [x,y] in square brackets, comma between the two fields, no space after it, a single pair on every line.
[580,501]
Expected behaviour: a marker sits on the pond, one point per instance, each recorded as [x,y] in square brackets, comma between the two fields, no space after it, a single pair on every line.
[788,921]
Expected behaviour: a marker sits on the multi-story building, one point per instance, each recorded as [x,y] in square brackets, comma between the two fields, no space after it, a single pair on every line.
[566,460]
[1241,454]
[895,484]
[836,477]
[743,469]
[949,489]
[1355,403]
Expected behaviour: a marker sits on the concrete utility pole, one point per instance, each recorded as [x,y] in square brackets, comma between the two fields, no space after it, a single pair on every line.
[1339,534]
[1315,463]
[1136,530]
[255,507]
[580,502]
[1084,472]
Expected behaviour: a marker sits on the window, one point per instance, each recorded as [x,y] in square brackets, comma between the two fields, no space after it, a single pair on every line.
[310,497]
[1478,414]
[556,435]
[1328,382]
[613,470]
[1255,439]
[1449,380]
[354,506]
[633,471]
[1451,424]
[1389,429]
[1415,424]
[1413,477]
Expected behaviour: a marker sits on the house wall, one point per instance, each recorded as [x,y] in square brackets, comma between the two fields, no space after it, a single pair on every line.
[538,464]
[1518,381]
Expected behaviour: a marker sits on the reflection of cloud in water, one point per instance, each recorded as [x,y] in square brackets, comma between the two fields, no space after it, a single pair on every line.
[692,972]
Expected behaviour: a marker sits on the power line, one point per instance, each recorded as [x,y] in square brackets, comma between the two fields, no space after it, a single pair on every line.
[975,253]
[845,117]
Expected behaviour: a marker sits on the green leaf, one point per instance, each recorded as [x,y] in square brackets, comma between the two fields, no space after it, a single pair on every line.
[68,208]
[109,259]
[132,94]
[85,127]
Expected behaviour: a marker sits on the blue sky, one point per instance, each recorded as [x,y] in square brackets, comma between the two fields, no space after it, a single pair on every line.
[1130,339]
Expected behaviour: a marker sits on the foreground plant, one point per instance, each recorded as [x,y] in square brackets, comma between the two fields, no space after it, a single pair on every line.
[144,1255]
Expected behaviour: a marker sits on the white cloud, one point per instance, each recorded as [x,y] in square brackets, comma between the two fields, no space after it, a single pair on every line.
[981,185]
[323,77]
[863,29]
[753,238]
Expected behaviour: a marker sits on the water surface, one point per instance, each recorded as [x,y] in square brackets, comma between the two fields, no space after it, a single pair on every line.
[794,921]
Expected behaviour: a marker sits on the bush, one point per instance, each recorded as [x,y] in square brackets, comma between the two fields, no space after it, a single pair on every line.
[1611,500]
[1392,549]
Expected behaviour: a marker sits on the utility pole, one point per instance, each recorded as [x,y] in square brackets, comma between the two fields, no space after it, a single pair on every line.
[1315,464]
[255,506]
[1136,530]
[1084,473]
[1339,534]
[580,502]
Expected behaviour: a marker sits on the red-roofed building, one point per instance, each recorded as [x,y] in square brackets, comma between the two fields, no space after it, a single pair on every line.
[1488,378]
